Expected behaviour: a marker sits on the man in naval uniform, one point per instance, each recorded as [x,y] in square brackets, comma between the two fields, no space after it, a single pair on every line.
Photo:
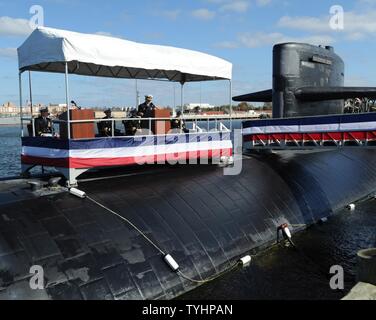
[145,110]
[178,124]
[105,127]
[43,124]
[131,126]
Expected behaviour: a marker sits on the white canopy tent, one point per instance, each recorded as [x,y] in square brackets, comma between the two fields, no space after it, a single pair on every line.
[49,49]
[59,51]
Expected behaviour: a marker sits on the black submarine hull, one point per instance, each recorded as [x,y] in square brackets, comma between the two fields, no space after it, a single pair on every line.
[204,219]
[307,81]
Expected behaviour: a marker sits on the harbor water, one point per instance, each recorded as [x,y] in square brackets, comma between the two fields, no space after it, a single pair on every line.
[10,150]
[281,273]
[278,272]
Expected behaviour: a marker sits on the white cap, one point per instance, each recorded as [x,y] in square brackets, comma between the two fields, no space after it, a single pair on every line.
[148,96]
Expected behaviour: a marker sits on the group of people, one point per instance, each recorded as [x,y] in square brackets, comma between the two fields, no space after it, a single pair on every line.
[43,124]
[44,127]
[135,123]
[145,110]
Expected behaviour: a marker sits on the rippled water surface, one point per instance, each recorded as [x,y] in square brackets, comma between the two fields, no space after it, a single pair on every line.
[285,273]
[10,149]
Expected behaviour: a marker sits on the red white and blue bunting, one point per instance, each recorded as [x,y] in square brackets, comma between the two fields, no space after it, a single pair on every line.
[102,152]
[337,128]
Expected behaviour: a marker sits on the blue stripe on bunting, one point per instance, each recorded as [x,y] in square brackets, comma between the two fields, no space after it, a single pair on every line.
[107,143]
[346,118]
[45,142]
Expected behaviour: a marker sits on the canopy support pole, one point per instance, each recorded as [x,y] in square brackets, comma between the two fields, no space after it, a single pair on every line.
[30,94]
[200,95]
[230,99]
[182,98]
[67,98]
[137,95]
[174,108]
[31,104]
[20,93]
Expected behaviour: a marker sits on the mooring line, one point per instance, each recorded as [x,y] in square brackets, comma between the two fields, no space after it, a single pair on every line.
[169,260]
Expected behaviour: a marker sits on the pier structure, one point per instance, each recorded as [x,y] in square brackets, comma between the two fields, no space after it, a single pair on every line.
[366,277]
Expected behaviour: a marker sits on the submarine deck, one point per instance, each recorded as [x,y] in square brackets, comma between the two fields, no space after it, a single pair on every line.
[204,219]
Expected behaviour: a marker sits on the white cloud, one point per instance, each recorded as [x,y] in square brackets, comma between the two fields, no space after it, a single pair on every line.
[104,33]
[108,34]
[14,27]
[368,2]
[170,14]
[203,14]
[356,36]
[218,1]
[355,22]
[260,39]
[357,26]
[305,23]
[8,52]
[238,6]
[262,3]
[227,45]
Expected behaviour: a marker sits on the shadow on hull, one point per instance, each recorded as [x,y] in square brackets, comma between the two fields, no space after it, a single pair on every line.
[204,219]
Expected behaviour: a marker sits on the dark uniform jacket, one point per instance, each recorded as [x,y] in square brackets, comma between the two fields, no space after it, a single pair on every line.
[179,123]
[105,127]
[131,126]
[146,111]
[42,126]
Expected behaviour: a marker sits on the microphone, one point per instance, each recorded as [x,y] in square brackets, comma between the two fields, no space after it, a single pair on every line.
[75,104]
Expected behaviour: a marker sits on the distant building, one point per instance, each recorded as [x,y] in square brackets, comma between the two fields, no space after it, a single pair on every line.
[9,109]
[192,106]
[36,108]
[213,113]
[57,109]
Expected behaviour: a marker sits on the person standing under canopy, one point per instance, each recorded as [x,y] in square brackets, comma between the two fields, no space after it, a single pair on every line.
[43,124]
[146,110]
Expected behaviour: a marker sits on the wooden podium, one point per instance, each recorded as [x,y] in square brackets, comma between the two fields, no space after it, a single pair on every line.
[161,126]
[84,130]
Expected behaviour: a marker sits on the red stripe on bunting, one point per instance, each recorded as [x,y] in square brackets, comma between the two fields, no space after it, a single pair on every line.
[80,163]
[322,136]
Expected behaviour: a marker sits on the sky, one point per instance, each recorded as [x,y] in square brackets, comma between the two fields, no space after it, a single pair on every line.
[240,31]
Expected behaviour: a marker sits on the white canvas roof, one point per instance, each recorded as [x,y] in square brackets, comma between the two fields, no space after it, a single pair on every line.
[48,49]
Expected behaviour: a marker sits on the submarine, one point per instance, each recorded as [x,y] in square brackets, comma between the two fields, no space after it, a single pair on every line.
[156,232]
[307,81]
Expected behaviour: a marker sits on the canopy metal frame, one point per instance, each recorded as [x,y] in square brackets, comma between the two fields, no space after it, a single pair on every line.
[65,64]
[67,97]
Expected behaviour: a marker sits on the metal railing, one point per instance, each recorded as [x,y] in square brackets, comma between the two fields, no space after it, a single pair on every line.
[307,132]
[195,124]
